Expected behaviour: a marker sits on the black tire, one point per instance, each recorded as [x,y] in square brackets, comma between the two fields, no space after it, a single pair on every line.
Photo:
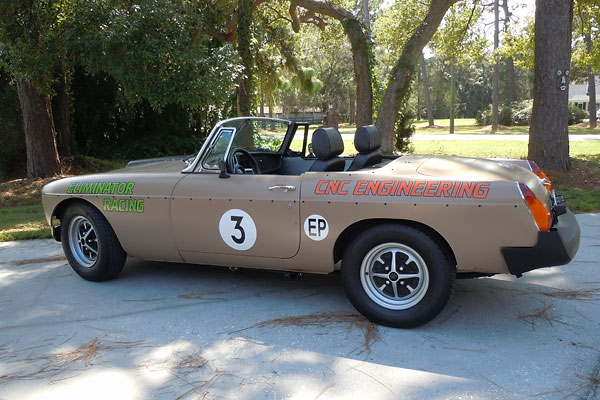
[411,297]
[110,257]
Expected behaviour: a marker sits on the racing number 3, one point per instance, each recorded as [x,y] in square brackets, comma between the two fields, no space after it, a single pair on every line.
[237,229]
[238,225]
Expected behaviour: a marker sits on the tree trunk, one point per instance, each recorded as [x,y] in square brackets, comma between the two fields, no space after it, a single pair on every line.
[591,84]
[262,101]
[452,94]
[367,16]
[510,63]
[419,80]
[401,74]
[427,90]
[495,82]
[40,136]
[548,133]
[359,42]
[352,112]
[61,111]
[245,89]
[510,75]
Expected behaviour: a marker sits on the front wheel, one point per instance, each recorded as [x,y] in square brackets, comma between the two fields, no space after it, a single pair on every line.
[397,275]
[90,244]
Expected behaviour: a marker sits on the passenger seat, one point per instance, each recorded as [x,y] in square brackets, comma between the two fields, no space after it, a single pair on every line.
[367,141]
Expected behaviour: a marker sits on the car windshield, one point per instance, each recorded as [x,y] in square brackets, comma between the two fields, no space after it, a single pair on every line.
[253,135]
[258,135]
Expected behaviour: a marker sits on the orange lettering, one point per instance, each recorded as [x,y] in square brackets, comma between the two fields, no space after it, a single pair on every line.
[466,188]
[385,188]
[482,189]
[429,187]
[404,188]
[318,189]
[332,187]
[372,187]
[341,190]
[417,189]
[444,188]
[359,186]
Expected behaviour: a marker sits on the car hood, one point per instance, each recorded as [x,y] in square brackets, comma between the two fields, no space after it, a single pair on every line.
[155,165]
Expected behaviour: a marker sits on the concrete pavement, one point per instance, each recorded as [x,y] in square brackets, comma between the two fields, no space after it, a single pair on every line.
[170,331]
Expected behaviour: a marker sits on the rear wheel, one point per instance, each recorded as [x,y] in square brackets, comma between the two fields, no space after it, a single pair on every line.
[90,244]
[397,275]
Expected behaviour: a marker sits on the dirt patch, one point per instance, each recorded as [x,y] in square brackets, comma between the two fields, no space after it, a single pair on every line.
[488,128]
[23,192]
[582,175]
[28,192]
[434,126]
[39,260]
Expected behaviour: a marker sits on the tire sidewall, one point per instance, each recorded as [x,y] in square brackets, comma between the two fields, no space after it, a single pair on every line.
[441,275]
[96,271]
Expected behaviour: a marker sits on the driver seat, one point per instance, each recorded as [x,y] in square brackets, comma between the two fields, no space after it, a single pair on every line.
[327,144]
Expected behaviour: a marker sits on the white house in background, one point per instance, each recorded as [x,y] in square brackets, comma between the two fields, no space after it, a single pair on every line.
[579,95]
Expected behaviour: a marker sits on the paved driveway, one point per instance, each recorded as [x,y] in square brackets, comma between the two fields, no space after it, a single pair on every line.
[170,331]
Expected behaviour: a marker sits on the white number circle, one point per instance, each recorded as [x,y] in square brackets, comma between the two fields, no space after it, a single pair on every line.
[237,229]
[316,227]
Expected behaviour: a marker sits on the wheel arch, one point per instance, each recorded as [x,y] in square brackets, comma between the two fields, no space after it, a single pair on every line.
[345,237]
[60,209]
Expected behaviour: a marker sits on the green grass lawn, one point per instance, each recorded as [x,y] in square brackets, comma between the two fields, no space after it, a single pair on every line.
[589,150]
[25,222]
[469,126]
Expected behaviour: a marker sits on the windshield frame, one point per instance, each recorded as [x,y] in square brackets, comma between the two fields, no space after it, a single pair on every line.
[197,164]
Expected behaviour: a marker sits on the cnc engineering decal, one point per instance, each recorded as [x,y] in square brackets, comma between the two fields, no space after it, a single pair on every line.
[237,229]
[477,190]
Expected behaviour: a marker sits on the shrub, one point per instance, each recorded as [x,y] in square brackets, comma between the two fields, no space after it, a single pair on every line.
[519,113]
[404,130]
[576,114]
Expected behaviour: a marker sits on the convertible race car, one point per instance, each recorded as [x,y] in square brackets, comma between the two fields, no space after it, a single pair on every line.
[274,194]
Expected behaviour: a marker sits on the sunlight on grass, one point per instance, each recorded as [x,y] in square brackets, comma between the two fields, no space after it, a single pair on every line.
[496,148]
[26,222]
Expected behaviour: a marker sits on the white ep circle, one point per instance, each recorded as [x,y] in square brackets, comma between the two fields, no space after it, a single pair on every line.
[316,227]
[237,229]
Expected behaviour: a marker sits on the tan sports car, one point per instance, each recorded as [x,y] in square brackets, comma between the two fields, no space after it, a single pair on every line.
[274,194]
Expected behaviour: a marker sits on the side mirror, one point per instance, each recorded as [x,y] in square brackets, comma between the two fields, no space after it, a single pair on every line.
[223,170]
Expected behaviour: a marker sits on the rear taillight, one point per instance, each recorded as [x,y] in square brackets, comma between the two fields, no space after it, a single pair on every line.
[541,215]
[543,177]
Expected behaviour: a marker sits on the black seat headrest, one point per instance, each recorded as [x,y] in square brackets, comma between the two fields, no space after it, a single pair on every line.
[327,143]
[367,139]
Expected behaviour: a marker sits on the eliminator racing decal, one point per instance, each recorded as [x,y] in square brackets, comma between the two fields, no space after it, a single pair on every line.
[125,188]
[477,190]
[112,188]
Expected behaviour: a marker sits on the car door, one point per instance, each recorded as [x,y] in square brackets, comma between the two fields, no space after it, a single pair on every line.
[249,215]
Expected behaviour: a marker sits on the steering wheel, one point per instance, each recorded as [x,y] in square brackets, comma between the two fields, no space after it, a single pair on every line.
[234,165]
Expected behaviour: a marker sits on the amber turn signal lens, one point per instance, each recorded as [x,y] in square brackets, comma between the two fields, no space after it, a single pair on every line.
[538,171]
[540,213]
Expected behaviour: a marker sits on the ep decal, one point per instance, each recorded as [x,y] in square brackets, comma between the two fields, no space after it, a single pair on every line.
[237,229]
[316,227]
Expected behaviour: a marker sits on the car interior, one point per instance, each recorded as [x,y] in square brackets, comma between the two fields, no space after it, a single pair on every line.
[251,153]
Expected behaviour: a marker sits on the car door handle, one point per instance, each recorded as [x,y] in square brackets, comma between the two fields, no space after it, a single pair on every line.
[285,188]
